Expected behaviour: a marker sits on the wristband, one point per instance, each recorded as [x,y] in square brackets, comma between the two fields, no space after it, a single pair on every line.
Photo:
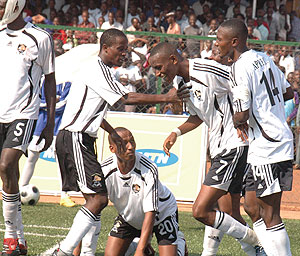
[177,131]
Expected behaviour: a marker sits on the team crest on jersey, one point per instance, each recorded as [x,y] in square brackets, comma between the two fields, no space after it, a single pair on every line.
[22,48]
[136,188]
[96,180]
[198,94]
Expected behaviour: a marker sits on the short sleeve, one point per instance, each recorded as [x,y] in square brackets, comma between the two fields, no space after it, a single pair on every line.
[240,81]
[46,56]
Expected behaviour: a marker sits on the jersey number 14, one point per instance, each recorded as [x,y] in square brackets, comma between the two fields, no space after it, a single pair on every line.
[272,90]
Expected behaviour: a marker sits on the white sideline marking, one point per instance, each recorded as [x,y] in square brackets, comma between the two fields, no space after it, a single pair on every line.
[37,234]
[38,226]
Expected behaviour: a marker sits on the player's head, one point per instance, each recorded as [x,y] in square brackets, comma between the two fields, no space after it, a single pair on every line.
[10,10]
[126,135]
[164,59]
[232,35]
[113,47]
[215,55]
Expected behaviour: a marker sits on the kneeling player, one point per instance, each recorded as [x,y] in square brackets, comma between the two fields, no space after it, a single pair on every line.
[143,203]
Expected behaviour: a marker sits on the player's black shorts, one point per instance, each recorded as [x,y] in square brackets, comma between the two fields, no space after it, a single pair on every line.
[16,134]
[227,170]
[166,231]
[79,167]
[270,178]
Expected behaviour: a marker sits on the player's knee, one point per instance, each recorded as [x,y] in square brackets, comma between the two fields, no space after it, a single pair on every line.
[96,203]
[198,213]
[6,170]
[252,211]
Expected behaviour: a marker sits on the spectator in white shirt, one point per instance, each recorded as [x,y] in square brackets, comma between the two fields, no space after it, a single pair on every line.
[286,60]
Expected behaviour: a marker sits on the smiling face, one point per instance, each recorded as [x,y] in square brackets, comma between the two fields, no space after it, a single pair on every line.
[164,66]
[114,54]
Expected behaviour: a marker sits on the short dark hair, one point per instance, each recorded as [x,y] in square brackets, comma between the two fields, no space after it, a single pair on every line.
[109,36]
[165,48]
[238,28]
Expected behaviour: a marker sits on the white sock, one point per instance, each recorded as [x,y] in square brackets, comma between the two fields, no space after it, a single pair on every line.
[259,227]
[247,248]
[211,241]
[232,227]
[181,244]
[20,227]
[63,194]
[280,241]
[10,211]
[82,223]
[28,169]
[89,241]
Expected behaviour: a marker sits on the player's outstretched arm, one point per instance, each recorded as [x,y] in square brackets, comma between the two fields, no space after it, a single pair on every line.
[145,233]
[114,136]
[50,94]
[134,98]
[190,124]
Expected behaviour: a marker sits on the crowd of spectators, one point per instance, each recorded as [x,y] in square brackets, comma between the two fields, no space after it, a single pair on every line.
[271,21]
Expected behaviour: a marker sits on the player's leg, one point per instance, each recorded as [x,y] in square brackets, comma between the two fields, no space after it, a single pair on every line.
[120,237]
[116,246]
[76,155]
[217,182]
[167,250]
[271,180]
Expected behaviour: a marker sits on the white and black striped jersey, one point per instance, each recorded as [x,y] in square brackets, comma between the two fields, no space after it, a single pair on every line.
[211,100]
[138,192]
[26,54]
[259,85]
[89,96]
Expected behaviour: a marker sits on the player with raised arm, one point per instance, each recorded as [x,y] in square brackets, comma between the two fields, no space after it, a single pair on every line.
[144,205]
[259,90]
[210,102]
[89,97]
[26,53]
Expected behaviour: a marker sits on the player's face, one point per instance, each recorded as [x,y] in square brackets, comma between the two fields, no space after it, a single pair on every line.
[129,142]
[224,42]
[117,51]
[163,66]
[2,8]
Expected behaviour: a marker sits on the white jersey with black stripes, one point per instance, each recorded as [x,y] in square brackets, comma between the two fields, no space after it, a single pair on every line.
[211,100]
[259,85]
[93,89]
[137,192]
[26,54]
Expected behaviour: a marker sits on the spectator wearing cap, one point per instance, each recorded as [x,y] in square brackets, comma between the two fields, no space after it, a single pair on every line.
[157,15]
[174,27]
[180,18]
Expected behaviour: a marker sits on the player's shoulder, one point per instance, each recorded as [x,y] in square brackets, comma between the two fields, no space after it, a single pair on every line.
[145,164]
[38,33]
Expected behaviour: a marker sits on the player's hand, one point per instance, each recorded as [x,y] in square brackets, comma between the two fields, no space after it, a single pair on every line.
[46,134]
[121,147]
[149,251]
[184,92]
[242,131]
[169,142]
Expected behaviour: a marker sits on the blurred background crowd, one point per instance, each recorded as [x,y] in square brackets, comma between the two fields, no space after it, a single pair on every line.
[266,20]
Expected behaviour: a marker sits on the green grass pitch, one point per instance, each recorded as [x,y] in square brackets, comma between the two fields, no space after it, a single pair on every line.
[46,224]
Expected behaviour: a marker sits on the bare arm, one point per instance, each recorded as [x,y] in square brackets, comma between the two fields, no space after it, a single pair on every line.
[50,95]
[240,123]
[145,233]
[190,124]
[289,94]
[133,98]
